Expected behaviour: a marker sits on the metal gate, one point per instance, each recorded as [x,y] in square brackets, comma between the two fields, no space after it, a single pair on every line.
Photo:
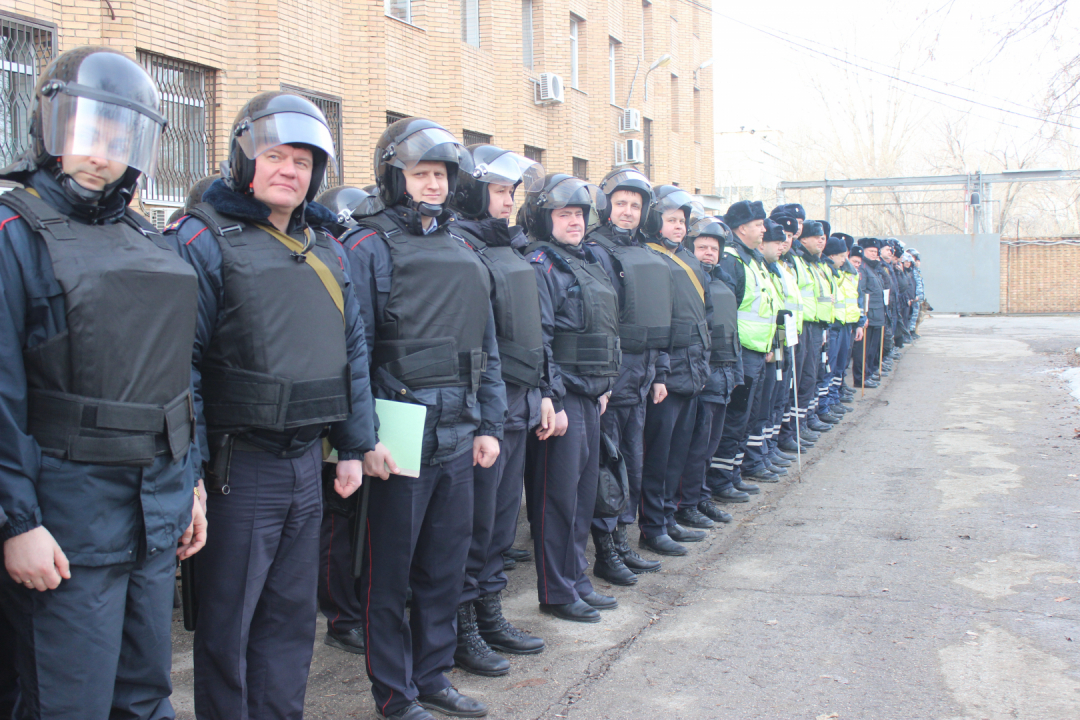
[962,273]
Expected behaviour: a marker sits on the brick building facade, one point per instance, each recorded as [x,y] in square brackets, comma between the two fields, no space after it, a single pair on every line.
[1040,275]
[472,65]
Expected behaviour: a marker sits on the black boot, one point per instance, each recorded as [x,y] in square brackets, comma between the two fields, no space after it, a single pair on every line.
[629,556]
[497,631]
[609,566]
[473,654]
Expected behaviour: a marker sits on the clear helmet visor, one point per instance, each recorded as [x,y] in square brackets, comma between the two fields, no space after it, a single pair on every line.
[629,178]
[574,191]
[286,128]
[427,145]
[73,125]
[511,169]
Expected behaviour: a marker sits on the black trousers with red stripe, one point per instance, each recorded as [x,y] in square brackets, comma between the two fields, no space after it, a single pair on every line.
[562,495]
[338,599]
[418,535]
[669,428]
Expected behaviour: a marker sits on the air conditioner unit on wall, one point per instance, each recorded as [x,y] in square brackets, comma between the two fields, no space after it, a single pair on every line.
[158,216]
[630,121]
[549,89]
[629,152]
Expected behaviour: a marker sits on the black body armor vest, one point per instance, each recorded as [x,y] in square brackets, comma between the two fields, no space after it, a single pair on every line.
[517,313]
[595,350]
[114,388]
[688,323]
[432,330]
[725,323]
[277,360]
[645,318]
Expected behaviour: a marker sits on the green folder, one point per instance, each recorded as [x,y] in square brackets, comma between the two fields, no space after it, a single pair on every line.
[401,430]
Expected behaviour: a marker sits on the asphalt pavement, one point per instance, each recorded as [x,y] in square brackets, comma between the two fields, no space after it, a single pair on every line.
[924,564]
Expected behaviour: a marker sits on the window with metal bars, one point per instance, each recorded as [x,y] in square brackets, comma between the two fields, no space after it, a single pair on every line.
[331,109]
[581,168]
[188,102]
[392,117]
[534,153]
[471,137]
[26,48]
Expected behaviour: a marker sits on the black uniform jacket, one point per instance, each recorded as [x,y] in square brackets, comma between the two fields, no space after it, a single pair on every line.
[455,414]
[561,306]
[638,371]
[353,436]
[99,515]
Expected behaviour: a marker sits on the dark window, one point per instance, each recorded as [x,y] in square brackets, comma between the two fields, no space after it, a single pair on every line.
[471,137]
[581,168]
[534,153]
[188,102]
[331,108]
[26,47]
[392,117]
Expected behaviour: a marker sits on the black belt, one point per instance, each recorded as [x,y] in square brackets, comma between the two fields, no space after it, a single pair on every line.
[105,432]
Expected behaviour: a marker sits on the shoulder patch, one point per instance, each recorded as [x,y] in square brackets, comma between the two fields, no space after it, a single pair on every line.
[538,256]
[175,224]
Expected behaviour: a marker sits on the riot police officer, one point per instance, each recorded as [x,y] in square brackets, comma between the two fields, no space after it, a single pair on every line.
[707,237]
[427,304]
[272,287]
[872,300]
[338,600]
[580,316]
[643,283]
[95,401]
[758,308]
[483,201]
[669,424]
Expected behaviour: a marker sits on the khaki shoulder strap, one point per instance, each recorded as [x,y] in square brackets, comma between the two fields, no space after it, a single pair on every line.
[327,277]
[679,261]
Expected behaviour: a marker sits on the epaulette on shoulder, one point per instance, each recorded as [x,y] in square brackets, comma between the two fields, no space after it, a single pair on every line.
[175,224]
[538,256]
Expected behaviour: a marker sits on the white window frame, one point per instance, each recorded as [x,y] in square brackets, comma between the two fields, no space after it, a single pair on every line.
[470,22]
[611,69]
[391,8]
[575,33]
[527,53]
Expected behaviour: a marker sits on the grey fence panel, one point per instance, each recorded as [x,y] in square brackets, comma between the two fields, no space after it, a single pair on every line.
[962,273]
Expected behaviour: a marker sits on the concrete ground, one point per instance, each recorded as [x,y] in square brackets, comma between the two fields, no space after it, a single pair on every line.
[926,565]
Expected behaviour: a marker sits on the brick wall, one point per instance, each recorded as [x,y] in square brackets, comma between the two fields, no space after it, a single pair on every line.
[351,50]
[1041,278]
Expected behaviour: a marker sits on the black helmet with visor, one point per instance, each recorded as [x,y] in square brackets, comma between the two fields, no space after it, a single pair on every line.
[277,118]
[561,190]
[405,144]
[668,198]
[630,179]
[492,165]
[709,226]
[95,102]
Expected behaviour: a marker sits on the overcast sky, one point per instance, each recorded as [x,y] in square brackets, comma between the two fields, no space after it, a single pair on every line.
[948,46]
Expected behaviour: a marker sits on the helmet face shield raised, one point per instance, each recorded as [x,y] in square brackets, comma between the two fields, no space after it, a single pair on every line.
[431,144]
[74,124]
[511,169]
[681,199]
[284,128]
[628,179]
[574,191]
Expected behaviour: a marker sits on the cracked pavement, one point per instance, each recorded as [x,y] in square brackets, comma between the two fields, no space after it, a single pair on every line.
[925,565]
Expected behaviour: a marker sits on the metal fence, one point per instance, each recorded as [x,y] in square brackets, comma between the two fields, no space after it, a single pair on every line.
[26,48]
[189,103]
